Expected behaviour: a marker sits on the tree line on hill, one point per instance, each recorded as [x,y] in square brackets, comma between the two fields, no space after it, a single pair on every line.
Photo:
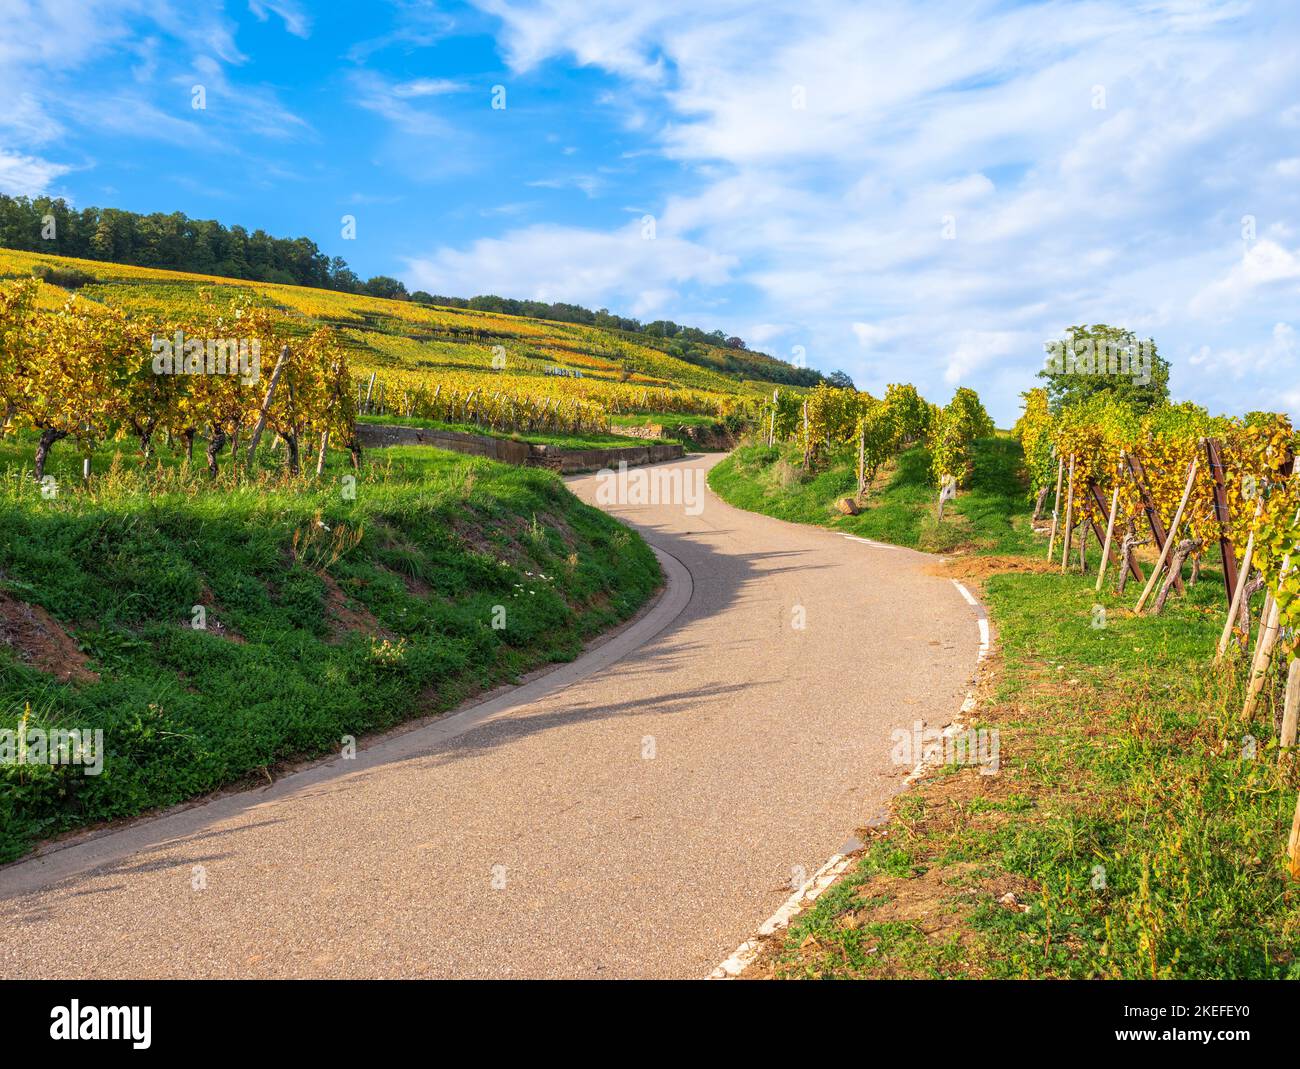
[173,241]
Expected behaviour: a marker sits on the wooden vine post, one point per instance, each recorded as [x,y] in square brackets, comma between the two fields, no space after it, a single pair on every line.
[771,427]
[1069,516]
[1093,499]
[1268,633]
[1214,458]
[1181,551]
[1148,507]
[1056,507]
[1110,534]
[1286,739]
[1264,643]
[1173,528]
[862,457]
[807,440]
[1293,843]
[1234,608]
[266,405]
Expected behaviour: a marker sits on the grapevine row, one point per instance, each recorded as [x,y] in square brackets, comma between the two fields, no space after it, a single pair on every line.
[828,418]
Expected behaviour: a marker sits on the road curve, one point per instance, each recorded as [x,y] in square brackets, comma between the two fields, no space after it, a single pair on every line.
[637,821]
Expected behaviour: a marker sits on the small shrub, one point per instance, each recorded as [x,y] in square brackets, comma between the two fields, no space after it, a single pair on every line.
[70,278]
[785,474]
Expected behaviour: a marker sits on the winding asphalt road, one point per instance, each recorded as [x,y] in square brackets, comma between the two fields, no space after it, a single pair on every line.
[635,814]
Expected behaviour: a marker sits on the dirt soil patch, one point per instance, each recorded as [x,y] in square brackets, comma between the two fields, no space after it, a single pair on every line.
[345,619]
[981,567]
[40,640]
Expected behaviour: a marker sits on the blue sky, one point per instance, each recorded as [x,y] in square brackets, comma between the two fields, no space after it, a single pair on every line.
[917,192]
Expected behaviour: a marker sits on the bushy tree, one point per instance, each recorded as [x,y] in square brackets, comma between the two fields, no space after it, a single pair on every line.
[1097,359]
[385,286]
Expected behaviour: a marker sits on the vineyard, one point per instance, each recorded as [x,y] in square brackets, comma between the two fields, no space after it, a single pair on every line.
[1188,487]
[80,339]
[203,567]
[91,374]
[828,420]
[1178,480]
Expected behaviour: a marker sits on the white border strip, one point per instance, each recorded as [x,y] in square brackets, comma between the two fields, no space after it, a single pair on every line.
[744,955]
[982,619]
[870,542]
[955,728]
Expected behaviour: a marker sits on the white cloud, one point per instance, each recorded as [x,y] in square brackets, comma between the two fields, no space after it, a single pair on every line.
[872,335]
[977,349]
[761,333]
[392,101]
[425,87]
[556,263]
[1261,264]
[589,184]
[1274,358]
[296,21]
[27,122]
[45,98]
[27,176]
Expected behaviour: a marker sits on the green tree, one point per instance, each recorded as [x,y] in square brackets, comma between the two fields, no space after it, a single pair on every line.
[384,286]
[1099,359]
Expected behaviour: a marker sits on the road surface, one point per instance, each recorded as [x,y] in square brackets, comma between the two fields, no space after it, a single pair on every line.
[636,814]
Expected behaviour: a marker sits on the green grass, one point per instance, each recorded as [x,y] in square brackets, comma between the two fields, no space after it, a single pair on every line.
[429,544]
[1138,834]
[667,420]
[991,516]
[588,440]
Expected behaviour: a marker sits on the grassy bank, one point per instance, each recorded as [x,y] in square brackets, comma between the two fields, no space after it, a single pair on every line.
[1136,827]
[991,517]
[328,609]
[587,440]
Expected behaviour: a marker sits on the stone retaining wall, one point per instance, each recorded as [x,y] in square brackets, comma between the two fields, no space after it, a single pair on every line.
[571,460]
[524,454]
[379,435]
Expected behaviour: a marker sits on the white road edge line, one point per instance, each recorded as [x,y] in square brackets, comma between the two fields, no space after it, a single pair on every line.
[981,621]
[870,542]
[743,956]
[794,905]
